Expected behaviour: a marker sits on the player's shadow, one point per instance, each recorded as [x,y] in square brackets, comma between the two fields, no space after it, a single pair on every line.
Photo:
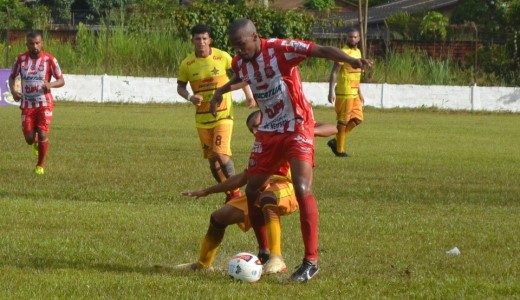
[45,263]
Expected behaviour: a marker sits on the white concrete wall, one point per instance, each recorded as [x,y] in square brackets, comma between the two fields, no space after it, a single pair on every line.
[92,88]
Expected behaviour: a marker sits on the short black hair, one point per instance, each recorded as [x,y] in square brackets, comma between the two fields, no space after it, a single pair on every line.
[199,29]
[33,34]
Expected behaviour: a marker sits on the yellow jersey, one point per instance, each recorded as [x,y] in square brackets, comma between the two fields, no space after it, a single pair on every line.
[349,78]
[205,75]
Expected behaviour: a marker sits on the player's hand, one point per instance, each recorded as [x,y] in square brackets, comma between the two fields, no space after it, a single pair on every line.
[196,194]
[215,101]
[17,95]
[46,86]
[332,98]
[196,100]
[251,103]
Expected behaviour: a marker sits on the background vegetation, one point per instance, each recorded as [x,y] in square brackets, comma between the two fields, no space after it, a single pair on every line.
[148,38]
[109,209]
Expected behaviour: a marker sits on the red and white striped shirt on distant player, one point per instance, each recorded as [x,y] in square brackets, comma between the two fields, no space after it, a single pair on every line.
[275,81]
[33,72]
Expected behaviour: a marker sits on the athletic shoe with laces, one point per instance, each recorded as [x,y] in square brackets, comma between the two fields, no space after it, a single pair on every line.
[305,272]
[274,265]
[263,257]
[35,148]
[39,170]
[192,267]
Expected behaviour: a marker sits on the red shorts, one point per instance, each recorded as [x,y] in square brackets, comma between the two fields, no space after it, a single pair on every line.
[36,118]
[271,149]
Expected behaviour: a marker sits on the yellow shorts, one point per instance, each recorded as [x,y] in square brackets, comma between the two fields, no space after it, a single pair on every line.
[216,139]
[286,201]
[348,108]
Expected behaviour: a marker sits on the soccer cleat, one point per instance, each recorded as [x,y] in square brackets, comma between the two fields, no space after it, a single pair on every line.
[263,257]
[39,170]
[333,146]
[232,194]
[305,272]
[35,148]
[274,265]
[342,154]
[192,267]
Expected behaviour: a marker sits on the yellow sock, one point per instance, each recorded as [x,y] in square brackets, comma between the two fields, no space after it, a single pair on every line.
[273,226]
[210,244]
[340,138]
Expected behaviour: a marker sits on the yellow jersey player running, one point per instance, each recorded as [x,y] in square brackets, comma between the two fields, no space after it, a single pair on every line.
[276,199]
[346,95]
[206,69]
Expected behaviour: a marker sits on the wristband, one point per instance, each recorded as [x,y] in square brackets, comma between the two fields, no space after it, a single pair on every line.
[189,97]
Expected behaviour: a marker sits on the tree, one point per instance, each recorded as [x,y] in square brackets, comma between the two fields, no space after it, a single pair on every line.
[434,25]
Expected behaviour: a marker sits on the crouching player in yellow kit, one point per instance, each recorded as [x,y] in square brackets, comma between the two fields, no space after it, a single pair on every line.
[277,199]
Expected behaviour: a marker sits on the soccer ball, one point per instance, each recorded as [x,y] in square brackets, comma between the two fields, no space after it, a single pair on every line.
[245,267]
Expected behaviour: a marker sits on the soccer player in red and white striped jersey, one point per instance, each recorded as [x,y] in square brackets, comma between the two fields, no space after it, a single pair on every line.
[36,69]
[286,133]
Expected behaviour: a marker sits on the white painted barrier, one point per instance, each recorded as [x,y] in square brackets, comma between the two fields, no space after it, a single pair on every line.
[105,88]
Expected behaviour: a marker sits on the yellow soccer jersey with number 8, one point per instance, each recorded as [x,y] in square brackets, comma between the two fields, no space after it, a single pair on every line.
[205,75]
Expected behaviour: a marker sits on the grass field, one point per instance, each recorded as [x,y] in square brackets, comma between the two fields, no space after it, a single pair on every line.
[108,209]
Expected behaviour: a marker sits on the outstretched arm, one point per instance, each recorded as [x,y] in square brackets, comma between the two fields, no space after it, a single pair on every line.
[337,55]
[233,182]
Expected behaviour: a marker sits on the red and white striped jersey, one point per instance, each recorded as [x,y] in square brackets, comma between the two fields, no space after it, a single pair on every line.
[276,84]
[32,72]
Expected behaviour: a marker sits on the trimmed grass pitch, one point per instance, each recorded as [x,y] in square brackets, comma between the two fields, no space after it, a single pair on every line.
[109,209]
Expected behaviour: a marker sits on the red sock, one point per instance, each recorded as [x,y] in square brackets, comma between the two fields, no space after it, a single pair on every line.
[258,223]
[309,226]
[42,152]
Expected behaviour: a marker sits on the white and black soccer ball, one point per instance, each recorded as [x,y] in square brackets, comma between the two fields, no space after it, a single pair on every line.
[245,267]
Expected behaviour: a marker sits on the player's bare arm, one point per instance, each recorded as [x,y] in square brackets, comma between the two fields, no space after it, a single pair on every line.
[17,94]
[333,78]
[184,93]
[233,182]
[46,86]
[337,55]
[217,97]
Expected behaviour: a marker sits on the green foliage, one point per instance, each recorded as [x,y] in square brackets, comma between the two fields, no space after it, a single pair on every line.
[403,26]
[179,20]
[434,25]
[18,16]
[320,5]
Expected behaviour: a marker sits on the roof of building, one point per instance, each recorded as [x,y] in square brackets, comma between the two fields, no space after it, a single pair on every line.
[380,13]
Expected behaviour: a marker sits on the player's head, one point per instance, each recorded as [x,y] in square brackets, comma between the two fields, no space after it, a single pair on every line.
[244,39]
[253,121]
[34,42]
[201,38]
[353,37]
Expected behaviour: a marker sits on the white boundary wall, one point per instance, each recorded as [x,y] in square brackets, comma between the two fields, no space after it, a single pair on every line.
[92,88]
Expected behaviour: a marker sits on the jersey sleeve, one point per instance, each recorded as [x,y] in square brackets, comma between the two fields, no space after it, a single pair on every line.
[15,70]
[55,68]
[183,72]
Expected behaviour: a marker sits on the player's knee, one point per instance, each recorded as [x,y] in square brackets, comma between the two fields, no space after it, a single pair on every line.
[218,220]
[302,189]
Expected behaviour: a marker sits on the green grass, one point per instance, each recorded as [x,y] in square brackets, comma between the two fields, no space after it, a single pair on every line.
[418,183]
